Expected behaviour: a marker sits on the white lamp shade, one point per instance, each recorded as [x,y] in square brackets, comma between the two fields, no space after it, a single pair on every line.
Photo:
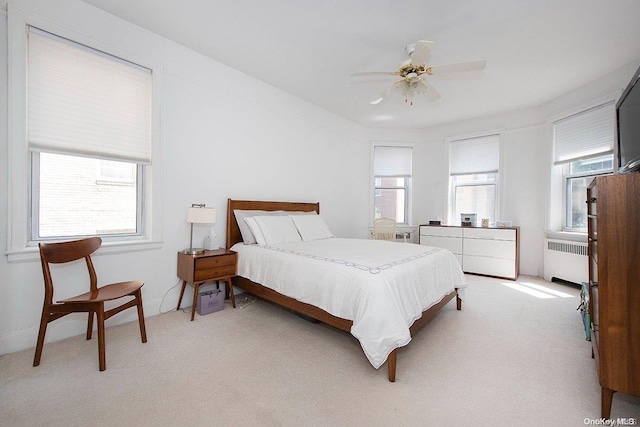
[201,215]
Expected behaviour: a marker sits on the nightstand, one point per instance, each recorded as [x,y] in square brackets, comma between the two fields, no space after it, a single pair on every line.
[216,265]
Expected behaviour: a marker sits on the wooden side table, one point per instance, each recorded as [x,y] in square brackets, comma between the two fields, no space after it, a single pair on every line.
[220,264]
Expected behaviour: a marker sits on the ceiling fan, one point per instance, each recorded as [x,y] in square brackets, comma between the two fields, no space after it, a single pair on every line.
[413,70]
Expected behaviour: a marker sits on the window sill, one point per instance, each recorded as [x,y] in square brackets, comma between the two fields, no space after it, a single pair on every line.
[573,236]
[32,253]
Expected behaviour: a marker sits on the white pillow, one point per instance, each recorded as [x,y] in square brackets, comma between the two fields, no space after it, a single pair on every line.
[276,229]
[247,235]
[311,227]
[254,231]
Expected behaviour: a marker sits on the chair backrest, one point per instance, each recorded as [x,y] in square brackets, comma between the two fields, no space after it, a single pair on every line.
[384,229]
[63,252]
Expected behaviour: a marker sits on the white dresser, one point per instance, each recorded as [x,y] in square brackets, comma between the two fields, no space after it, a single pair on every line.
[479,250]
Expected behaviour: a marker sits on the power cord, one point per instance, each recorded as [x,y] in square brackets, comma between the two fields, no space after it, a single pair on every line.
[165,296]
[245,302]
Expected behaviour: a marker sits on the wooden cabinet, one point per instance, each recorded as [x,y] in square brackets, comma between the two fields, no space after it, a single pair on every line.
[479,250]
[220,264]
[614,283]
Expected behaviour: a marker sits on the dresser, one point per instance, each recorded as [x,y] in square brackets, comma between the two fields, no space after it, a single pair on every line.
[614,283]
[479,250]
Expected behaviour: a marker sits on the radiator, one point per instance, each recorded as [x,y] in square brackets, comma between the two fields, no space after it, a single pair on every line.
[565,260]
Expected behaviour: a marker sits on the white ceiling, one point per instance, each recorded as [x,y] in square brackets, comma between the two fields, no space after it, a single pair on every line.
[535,50]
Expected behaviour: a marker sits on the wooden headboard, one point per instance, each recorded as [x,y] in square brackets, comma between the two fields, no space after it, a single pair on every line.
[233,231]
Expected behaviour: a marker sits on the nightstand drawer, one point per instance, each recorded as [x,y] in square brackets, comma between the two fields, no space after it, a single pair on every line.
[206,263]
[216,266]
[210,273]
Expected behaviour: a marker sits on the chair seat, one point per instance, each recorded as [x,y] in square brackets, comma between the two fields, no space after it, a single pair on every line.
[106,293]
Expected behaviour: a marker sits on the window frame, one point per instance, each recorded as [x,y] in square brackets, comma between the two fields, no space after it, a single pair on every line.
[100,180]
[556,197]
[567,176]
[20,247]
[408,182]
[450,202]
[405,188]
[476,183]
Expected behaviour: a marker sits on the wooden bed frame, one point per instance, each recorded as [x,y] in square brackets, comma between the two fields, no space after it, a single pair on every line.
[234,236]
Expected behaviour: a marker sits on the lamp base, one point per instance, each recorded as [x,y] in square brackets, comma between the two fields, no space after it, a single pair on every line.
[193,251]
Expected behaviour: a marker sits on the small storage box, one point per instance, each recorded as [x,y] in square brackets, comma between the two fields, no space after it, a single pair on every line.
[210,301]
[468,219]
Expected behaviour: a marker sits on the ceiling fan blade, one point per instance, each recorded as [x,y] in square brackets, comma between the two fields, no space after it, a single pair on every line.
[431,94]
[421,52]
[381,98]
[374,73]
[455,68]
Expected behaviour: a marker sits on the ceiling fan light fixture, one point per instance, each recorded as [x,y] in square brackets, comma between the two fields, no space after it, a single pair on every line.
[407,90]
[414,71]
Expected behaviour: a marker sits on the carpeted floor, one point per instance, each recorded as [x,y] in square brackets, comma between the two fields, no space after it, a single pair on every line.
[514,356]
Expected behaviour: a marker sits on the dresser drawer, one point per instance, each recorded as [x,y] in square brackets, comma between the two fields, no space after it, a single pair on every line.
[489,266]
[505,249]
[452,243]
[490,234]
[426,230]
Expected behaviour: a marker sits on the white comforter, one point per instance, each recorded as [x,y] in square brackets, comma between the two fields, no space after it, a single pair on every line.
[383,287]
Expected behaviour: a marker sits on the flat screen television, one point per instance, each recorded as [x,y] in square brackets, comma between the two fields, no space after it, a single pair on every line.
[628,115]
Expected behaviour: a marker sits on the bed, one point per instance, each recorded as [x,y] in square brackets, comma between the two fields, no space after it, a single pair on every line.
[363,287]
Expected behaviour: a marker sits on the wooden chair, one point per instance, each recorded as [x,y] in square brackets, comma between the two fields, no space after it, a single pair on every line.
[92,301]
[385,229]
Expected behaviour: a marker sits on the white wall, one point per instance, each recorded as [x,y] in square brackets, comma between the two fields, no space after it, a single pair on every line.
[224,134]
[523,198]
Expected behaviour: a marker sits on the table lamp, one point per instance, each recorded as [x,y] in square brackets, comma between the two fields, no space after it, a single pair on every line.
[198,214]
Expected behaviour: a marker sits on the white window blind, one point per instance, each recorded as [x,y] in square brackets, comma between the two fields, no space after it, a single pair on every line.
[584,135]
[86,102]
[474,155]
[392,161]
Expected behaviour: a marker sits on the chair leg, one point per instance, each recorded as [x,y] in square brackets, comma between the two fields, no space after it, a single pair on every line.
[44,320]
[90,325]
[101,351]
[143,330]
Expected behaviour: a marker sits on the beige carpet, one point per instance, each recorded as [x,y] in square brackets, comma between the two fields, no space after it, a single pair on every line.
[508,358]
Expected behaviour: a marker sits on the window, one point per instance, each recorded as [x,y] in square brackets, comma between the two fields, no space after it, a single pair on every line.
[112,136]
[74,197]
[89,138]
[392,180]
[583,149]
[473,177]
